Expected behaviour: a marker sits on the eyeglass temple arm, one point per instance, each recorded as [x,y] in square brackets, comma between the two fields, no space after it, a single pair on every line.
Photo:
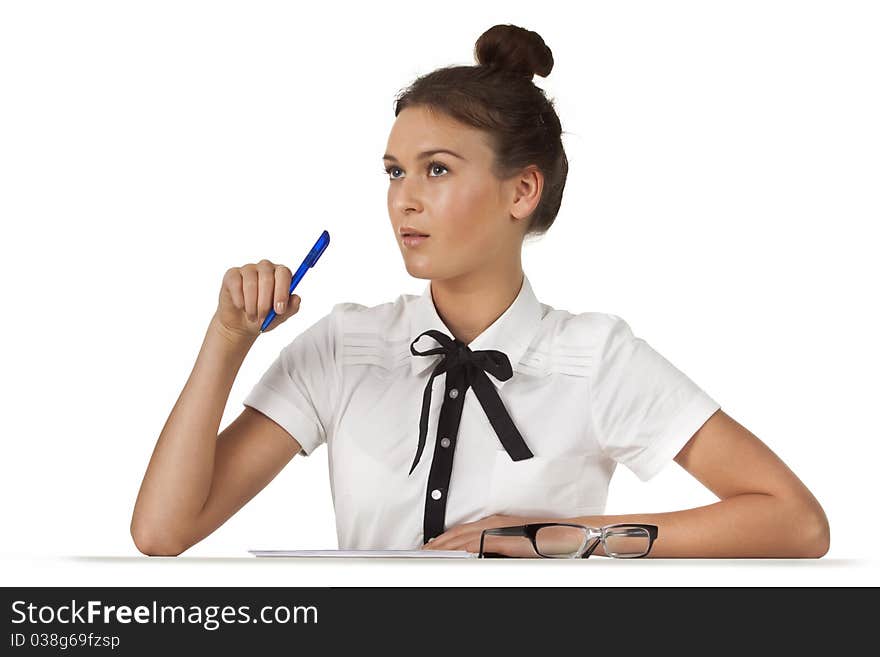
[518,530]
[507,531]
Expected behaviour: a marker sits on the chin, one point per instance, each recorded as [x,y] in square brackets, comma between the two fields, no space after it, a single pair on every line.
[419,272]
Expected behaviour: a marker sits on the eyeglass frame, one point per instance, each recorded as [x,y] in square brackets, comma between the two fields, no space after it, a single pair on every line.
[530,531]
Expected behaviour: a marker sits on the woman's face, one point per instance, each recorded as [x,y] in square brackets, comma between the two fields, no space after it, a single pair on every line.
[455,199]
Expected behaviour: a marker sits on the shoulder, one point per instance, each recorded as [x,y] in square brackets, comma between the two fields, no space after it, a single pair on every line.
[588,330]
[382,319]
[374,335]
[570,343]
[356,333]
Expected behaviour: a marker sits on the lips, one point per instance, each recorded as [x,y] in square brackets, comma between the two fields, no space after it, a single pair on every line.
[413,241]
[411,231]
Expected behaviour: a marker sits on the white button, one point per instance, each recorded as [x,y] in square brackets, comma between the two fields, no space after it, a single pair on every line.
[436,494]
[444,442]
[453,393]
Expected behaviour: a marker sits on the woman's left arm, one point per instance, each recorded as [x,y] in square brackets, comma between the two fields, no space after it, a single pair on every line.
[764,511]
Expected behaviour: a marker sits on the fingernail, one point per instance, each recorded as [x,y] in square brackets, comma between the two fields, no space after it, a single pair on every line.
[279,307]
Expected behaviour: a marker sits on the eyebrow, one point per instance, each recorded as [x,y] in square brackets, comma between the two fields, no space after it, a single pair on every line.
[424,154]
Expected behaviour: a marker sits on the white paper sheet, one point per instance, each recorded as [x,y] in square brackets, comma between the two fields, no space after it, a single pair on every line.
[442,554]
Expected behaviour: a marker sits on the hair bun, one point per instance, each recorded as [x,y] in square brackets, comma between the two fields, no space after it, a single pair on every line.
[514,49]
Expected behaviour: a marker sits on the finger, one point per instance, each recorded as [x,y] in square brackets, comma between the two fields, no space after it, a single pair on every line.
[266,289]
[466,542]
[450,539]
[249,286]
[455,532]
[233,284]
[510,546]
[438,542]
[283,276]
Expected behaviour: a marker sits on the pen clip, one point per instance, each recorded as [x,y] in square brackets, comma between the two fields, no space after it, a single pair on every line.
[318,253]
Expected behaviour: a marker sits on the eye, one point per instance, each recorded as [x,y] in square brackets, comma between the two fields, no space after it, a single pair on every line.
[430,167]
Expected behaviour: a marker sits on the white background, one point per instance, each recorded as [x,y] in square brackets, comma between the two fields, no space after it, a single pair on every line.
[722,198]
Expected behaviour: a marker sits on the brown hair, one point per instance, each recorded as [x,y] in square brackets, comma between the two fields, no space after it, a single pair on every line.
[498,96]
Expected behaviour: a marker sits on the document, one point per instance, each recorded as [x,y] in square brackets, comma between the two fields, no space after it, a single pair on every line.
[441,554]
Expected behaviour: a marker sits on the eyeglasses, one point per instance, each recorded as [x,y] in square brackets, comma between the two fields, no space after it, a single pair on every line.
[562,540]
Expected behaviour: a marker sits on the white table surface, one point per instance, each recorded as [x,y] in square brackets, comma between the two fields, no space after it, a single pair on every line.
[246,570]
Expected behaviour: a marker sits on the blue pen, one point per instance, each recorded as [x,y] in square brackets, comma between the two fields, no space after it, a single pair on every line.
[309,261]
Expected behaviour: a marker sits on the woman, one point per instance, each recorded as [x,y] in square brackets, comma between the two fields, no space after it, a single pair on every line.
[534,406]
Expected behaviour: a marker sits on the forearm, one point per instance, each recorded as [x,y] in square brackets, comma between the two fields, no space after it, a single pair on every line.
[749,525]
[178,478]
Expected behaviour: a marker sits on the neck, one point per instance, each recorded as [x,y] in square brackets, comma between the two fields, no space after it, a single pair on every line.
[469,304]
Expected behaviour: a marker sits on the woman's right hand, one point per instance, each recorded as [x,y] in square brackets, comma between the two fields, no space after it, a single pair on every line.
[249,292]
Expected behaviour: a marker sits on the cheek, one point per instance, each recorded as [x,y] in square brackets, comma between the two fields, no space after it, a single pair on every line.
[466,215]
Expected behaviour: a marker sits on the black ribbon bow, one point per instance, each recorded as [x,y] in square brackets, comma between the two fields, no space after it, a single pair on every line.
[476,364]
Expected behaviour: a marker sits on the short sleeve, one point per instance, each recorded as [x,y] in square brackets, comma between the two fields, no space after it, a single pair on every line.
[299,389]
[644,409]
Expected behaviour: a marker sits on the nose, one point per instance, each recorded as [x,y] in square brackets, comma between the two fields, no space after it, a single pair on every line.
[405,196]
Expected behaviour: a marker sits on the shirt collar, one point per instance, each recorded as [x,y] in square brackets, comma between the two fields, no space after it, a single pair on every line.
[511,333]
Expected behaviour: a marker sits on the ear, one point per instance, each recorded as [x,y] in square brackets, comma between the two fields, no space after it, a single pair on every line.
[527,188]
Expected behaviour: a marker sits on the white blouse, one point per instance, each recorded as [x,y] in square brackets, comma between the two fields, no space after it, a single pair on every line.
[582,392]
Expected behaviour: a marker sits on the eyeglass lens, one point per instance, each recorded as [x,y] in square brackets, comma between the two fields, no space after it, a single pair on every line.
[627,542]
[558,541]
[561,542]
